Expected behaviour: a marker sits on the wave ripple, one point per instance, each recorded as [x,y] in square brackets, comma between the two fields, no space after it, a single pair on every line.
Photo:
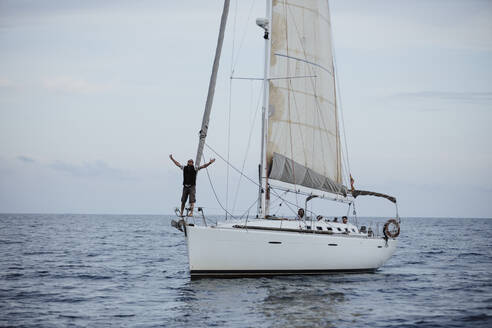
[110,270]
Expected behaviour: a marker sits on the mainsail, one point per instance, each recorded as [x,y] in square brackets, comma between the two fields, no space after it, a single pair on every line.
[303,143]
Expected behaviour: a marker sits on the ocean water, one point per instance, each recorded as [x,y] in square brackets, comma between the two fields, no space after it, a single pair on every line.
[132,271]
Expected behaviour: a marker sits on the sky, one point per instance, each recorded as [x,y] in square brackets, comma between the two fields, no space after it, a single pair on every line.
[95,95]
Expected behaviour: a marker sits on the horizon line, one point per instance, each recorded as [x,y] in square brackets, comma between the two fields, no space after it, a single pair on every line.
[172,214]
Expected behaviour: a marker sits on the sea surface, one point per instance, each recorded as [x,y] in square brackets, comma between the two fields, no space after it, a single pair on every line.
[132,271]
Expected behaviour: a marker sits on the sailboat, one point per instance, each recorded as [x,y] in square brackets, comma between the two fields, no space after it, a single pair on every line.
[300,153]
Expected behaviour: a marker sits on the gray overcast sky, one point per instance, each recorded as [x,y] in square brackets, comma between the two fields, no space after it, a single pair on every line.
[94,96]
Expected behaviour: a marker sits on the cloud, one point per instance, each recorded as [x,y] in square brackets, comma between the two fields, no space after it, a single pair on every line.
[455,25]
[74,85]
[455,97]
[26,159]
[90,170]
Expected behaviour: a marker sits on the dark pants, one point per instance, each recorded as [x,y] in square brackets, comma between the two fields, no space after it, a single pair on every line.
[188,191]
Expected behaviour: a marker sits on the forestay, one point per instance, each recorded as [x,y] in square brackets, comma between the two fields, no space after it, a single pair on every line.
[302,123]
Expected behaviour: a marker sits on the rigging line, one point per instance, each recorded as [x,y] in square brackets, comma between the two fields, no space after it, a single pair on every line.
[280,203]
[209,208]
[278,209]
[249,208]
[287,203]
[220,204]
[214,192]
[232,166]
[343,127]
[271,78]
[230,105]
[314,135]
[249,179]
[298,125]
[245,31]
[288,96]
[247,147]
[345,167]
[234,37]
[337,126]
[217,198]
[343,151]
[278,197]
[304,61]
[335,73]
[228,143]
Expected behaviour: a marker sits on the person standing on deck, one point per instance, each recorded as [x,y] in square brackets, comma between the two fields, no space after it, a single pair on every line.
[189,182]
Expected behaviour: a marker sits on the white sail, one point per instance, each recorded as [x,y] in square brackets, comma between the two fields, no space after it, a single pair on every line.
[303,143]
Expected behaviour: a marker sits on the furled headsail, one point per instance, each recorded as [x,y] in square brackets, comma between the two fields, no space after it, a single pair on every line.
[303,144]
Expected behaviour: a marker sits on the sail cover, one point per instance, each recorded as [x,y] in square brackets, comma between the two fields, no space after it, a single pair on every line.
[302,124]
[286,170]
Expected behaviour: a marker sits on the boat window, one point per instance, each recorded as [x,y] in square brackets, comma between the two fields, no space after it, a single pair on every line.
[319,228]
[339,229]
[329,229]
[346,230]
[353,230]
[308,227]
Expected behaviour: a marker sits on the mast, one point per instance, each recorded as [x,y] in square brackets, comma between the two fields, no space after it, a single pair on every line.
[211,86]
[263,192]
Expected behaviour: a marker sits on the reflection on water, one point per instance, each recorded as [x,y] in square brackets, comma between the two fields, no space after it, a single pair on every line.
[293,301]
[302,303]
[200,301]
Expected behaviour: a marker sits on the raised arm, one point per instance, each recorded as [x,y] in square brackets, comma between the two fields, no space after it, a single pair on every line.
[175,161]
[207,164]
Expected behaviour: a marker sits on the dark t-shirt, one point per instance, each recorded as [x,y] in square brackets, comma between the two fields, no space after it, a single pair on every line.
[189,175]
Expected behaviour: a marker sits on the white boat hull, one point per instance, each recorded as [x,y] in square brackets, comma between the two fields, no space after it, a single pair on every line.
[227,251]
